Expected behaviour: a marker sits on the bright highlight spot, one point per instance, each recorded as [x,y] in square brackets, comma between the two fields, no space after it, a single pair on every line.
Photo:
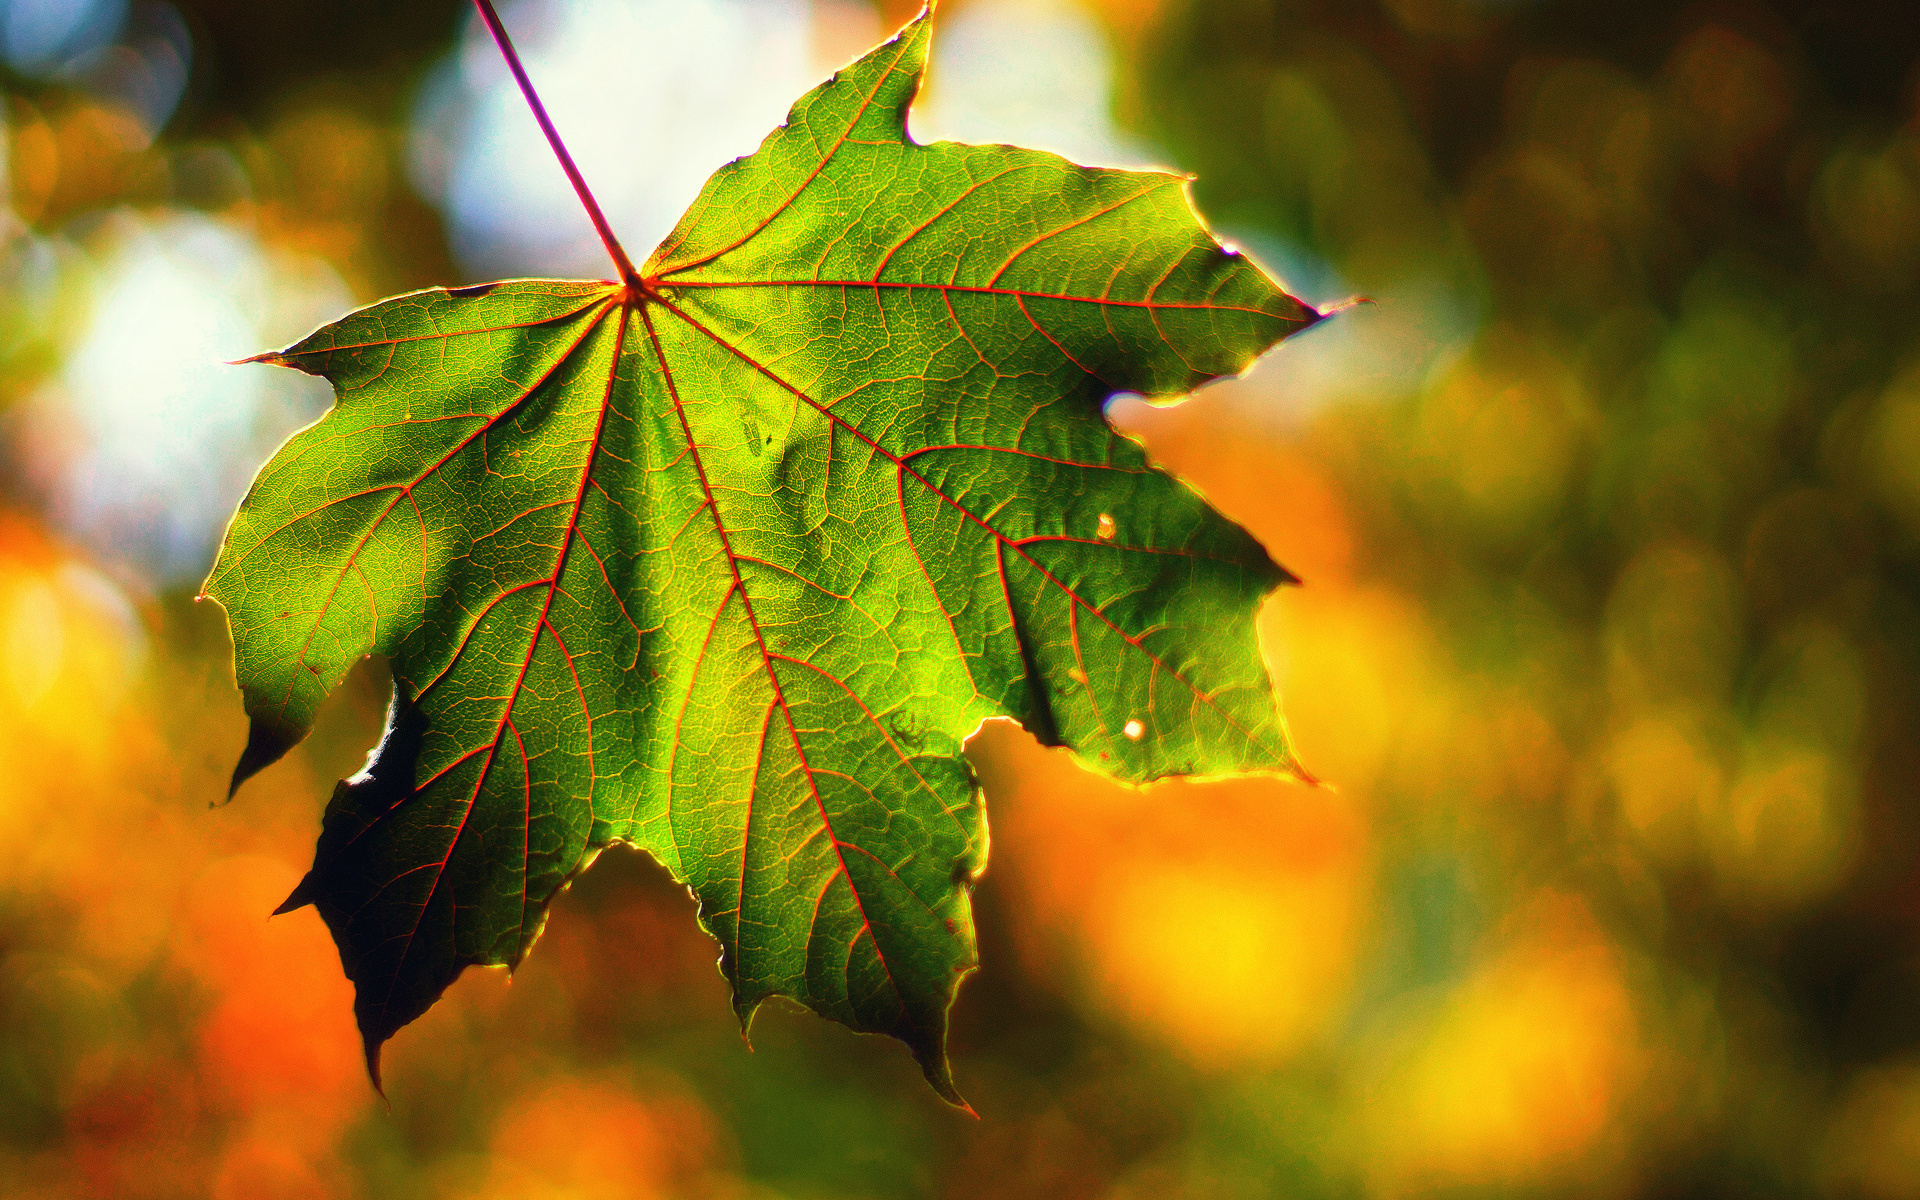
[698,82]
[1029,72]
[153,436]
[1033,74]
[1520,1072]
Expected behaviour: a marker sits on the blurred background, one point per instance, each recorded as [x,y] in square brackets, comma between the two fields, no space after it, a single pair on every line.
[1608,509]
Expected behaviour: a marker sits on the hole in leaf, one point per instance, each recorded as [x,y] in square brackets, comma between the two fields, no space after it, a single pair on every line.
[1134,730]
[1107,528]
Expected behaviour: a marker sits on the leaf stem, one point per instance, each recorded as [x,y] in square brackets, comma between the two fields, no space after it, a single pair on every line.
[628,275]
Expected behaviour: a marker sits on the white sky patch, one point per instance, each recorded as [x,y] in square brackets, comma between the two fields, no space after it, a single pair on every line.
[652,96]
[1035,73]
[149,437]
[1410,330]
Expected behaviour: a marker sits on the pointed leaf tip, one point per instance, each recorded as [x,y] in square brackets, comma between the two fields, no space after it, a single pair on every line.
[942,1082]
[373,1047]
[301,896]
[620,547]
[267,743]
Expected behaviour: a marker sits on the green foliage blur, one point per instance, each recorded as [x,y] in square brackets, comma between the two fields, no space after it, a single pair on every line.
[1608,508]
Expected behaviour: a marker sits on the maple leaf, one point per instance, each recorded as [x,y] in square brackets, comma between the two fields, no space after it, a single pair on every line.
[727,558]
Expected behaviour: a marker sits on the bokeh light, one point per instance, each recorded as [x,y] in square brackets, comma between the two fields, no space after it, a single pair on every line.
[1607,507]
[158,422]
[733,69]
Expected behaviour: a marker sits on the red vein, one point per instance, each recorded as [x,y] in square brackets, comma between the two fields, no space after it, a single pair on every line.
[1113,545]
[813,922]
[541,625]
[945,210]
[849,601]
[896,878]
[746,834]
[606,578]
[947,299]
[686,701]
[1080,664]
[586,713]
[406,489]
[1064,352]
[1092,216]
[573,519]
[804,184]
[965,512]
[906,527]
[460,650]
[430,780]
[972,290]
[293,352]
[892,745]
[1065,462]
[526,810]
[759,637]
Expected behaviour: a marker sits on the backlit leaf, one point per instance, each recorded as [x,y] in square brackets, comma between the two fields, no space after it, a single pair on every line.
[729,564]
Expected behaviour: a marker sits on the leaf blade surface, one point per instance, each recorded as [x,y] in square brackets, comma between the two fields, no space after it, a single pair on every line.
[729,567]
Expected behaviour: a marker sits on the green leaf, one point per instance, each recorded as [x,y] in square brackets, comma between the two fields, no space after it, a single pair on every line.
[729,565]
